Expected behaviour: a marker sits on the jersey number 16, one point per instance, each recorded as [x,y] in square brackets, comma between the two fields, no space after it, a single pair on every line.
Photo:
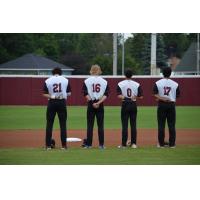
[96,87]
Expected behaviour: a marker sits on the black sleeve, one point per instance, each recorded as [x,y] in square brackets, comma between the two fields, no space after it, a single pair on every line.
[84,90]
[106,91]
[45,89]
[155,89]
[178,92]
[140,92]
[69,88]
[119,91]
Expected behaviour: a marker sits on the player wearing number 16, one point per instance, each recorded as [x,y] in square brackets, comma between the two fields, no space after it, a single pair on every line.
[95,90]
[165,91]
[129,91]
[56,89]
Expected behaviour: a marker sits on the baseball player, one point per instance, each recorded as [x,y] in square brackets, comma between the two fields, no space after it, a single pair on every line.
[56,89]
[95,90]
[166,91]
[129,91]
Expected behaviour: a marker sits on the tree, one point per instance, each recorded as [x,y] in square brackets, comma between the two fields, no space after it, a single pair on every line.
[176,44]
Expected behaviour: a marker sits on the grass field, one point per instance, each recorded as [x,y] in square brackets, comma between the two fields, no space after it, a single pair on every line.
[187,155]
[26,117]
[33,117]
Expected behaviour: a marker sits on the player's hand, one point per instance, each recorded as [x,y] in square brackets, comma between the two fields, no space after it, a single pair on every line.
[133,98]
[88,98]
[95,105]
[53,96]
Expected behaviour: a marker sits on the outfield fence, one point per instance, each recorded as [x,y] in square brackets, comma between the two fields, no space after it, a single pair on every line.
[27,90]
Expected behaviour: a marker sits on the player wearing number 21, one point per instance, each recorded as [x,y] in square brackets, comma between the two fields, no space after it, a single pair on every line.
[95,90]
[165,91]
[56,89]
[129,91]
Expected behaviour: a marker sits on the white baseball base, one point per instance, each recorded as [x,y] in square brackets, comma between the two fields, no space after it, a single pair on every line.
[70,139]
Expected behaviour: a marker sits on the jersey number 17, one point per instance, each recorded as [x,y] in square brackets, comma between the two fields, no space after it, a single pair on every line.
[167,90]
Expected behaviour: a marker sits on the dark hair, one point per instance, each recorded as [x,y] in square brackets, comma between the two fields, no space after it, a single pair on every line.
[57,70]
[167,72]
[128,73]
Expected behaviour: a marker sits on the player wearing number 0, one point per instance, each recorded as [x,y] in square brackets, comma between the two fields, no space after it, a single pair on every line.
[95,90]
[56,89]
[166,91]
[129,91]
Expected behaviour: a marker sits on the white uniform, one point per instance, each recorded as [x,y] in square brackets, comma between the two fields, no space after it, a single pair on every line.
[167,88]
[129,88]
[96,87]
[57,87]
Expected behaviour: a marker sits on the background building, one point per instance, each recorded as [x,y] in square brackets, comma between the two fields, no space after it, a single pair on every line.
[31,64]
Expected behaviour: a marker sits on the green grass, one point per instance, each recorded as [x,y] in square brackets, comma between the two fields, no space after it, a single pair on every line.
[33,117]
[182,155]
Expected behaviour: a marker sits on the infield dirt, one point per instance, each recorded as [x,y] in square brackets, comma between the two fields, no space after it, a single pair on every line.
[35,138]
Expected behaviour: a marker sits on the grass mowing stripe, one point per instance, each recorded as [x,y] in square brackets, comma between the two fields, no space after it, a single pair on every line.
[33,117]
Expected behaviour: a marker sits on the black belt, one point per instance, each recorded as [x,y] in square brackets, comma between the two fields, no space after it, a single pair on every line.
[166,102]
[94,101]
[56,99]
[128,100]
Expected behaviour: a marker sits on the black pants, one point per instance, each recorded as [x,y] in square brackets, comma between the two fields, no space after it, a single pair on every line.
[129,110]
[166,111]
[59,107]
[91,113]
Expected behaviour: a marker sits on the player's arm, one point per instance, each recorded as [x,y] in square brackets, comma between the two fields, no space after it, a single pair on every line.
[157,96]
[140,94]
[178,93]
[102,99]
[119,93]
[85,92]
[46,92]
[69,91]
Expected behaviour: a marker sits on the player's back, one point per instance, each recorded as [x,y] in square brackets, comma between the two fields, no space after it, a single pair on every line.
[167,88]
[129,88]
[57,85]
[96,86]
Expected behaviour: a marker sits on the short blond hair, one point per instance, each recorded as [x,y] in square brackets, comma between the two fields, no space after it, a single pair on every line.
[95,70]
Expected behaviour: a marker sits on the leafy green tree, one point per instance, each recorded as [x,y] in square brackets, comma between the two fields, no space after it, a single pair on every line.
[176,44]
[105,62]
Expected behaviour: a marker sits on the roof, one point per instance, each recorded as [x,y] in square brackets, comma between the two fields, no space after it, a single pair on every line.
[34,62]
[189,61]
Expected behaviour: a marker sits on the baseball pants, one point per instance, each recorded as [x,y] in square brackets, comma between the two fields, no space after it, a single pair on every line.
[91,113]
[166,111]
[129,110]
[59,107]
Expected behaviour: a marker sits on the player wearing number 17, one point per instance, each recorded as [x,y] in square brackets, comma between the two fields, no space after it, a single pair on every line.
[165,91]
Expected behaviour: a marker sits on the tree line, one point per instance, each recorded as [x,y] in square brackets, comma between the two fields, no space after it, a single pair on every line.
[81,50]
